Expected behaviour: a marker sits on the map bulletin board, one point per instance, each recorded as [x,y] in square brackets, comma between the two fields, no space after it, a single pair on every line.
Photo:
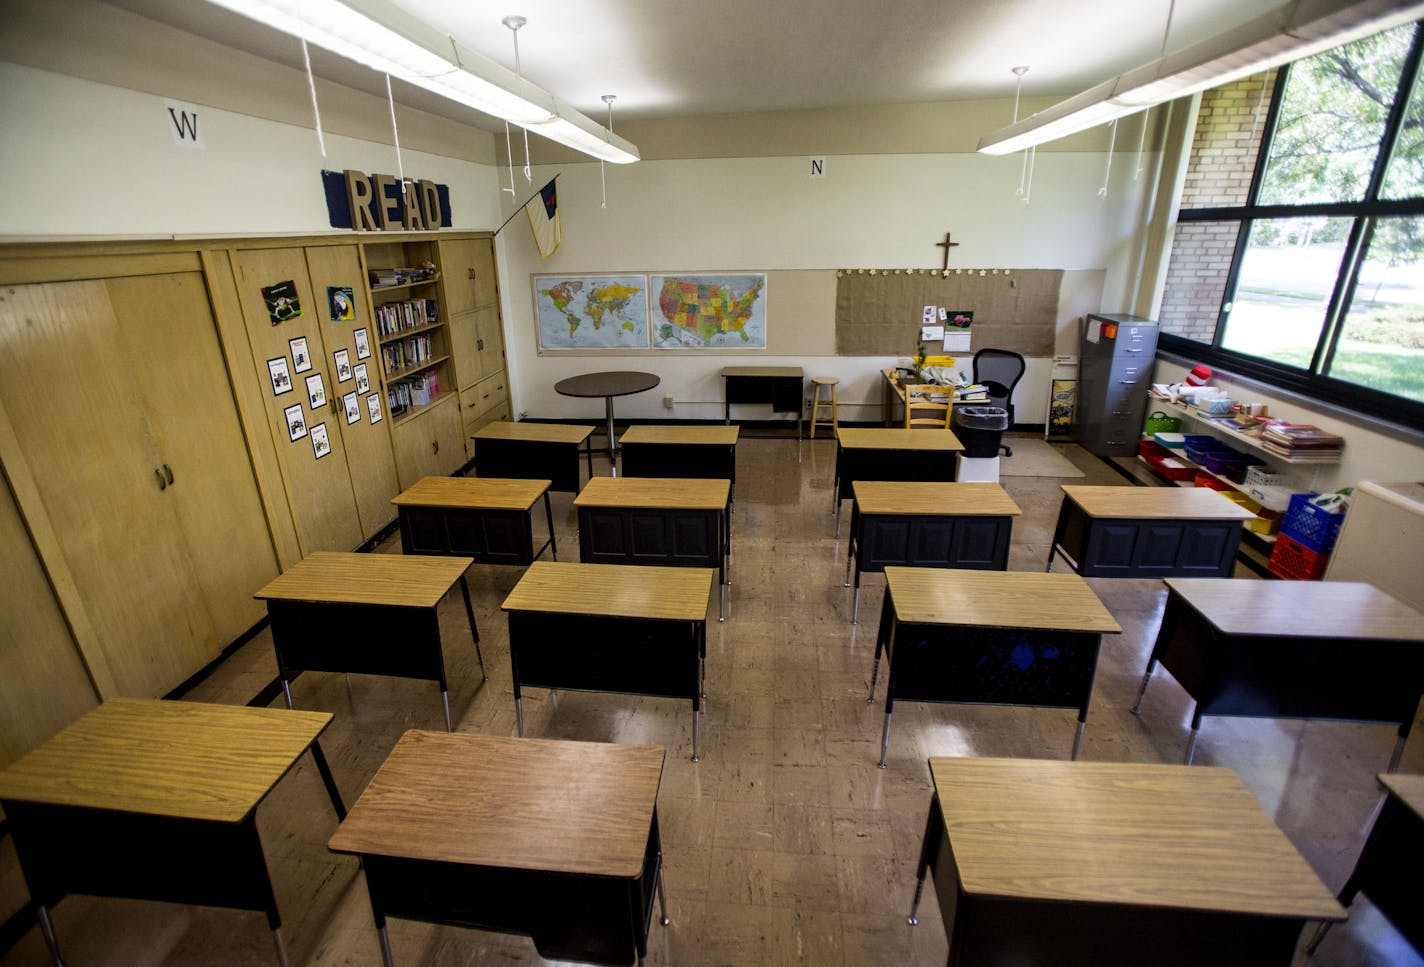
[880,314]
[688,311]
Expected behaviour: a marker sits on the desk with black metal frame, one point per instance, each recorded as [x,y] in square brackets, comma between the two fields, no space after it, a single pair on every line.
[880,453]
[781,386]
[376,614]
[989,637]
[1291,649]
[919,524]
[534,451]
[554,840]
[489,519]
[157,800]
[611,628]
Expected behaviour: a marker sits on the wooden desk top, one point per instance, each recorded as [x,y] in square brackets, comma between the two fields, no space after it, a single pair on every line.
[614,590]
[1166,503]
[534,432]
[473,493]
[997,599]
[722,436]
[527,804]
[783,371]
[1130,834]
[337,577]
[1407,789]
[933,499]
[893,438]
[1300,609]
[183,760]
[671,493]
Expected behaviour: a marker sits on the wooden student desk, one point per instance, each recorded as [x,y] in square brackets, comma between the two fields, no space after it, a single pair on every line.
[489,519]
[555,840]
[681,451]
[1292,649]
[371,613]
[672,522]
[1080,864]
[1388,868]
[781,386]
[1144,532]
[535,451]
[878,453]
[157,800]
[610,628]
[920,524]
[989,637]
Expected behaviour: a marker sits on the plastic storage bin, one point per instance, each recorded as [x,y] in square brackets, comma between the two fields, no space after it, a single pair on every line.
[1294,561]
[980,429]
[1314,528]
[1198,445]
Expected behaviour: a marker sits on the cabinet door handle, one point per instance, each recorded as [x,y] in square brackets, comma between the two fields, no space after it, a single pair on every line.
[168,472]
[162,483]
[479,345]
[436,445]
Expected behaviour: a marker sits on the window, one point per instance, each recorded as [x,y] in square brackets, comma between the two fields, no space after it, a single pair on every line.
[1298,257]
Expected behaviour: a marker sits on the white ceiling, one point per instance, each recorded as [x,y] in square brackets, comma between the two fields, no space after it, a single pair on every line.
[677,59]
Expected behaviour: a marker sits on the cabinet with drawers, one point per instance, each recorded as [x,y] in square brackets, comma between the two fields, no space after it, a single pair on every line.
[1114,374]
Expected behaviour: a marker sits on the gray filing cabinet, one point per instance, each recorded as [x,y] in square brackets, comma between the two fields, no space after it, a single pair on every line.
[1114,374]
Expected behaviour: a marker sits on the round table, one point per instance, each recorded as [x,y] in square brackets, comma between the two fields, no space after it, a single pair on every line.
[607,385]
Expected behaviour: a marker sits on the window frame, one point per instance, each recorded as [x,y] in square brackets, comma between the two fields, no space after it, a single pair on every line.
[1314,382]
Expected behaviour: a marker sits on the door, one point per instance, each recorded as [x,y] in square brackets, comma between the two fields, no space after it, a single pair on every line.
[310,446]
[76,408]
[369,458]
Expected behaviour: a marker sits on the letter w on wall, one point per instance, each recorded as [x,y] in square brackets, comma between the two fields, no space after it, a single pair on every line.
[182,121]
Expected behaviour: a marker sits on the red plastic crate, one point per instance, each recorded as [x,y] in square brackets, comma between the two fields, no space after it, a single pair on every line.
[1203,479]
[1296,562]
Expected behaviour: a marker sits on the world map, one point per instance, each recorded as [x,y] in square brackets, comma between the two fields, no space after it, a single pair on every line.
[709,311]
[592,311]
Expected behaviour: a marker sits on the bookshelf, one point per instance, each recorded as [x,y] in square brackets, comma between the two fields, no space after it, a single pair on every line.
[1236,436]
[411,328]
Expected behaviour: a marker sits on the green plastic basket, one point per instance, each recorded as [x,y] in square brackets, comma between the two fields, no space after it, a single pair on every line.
[1160,422]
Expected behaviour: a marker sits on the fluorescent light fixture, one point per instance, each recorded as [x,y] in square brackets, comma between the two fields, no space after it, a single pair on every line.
[391,41]
[1288,33]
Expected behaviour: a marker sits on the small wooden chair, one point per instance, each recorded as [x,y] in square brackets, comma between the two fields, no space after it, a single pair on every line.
[921,411]
[817,403]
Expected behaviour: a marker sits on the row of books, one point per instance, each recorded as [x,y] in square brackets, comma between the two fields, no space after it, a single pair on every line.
[394,317]
[419,391]
[408,352]
[1301,442]
[383,277]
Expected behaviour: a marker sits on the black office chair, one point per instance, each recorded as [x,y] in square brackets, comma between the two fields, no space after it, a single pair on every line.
[1000,371]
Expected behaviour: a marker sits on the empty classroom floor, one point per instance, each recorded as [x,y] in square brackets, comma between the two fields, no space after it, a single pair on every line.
[785,844]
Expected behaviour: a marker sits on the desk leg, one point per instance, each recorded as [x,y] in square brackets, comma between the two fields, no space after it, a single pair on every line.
[1058,528]
[474,631]
[612,451]
[287,691]
[1078,738]
[885,736]
[47,929]
[549,516]
[328,780]
[882,640]
[1192,739]
[1151,665]
[1398,747]
[386,957]
[933,827]
[281,946]
[588,452]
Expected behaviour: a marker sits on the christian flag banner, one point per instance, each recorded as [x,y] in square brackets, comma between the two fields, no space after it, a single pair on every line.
[543,212]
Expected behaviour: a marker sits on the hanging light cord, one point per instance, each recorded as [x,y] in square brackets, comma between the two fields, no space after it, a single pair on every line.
[607,99]
[1019,72]
[395,133]
[514,23]
[1112,142]
[311,85]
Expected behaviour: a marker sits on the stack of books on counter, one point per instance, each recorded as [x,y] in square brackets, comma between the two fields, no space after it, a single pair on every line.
[973,393]
[1301,442]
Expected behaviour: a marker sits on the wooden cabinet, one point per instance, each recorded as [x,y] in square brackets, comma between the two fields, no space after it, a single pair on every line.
[430,445]
[476,330]
[123,448]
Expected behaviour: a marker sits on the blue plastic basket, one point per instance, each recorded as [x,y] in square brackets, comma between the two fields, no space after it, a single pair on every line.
[1310,526]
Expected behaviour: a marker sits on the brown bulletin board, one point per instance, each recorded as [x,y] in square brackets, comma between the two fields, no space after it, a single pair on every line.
[880,314]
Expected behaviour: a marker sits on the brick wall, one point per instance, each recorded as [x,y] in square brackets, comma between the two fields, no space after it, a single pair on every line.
[1230,122]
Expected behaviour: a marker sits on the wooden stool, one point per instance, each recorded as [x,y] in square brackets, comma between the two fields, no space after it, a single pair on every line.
[817,402]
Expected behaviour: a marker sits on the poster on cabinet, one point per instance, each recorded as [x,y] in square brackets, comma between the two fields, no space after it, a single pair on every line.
[353,408]
[316,392]
[363,344]
[342,359]
[363,382]
[373,405]
[301,356]
[281,377]
[281,301]
[296,422]
[321,446]
[342,301]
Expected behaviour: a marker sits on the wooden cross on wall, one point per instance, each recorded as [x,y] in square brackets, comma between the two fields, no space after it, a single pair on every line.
[946,245]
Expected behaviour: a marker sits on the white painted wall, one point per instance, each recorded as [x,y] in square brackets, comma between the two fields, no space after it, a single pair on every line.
[766,214]
[81,158]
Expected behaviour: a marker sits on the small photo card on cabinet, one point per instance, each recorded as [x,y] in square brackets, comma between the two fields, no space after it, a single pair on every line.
[353,408]
[316,392]
[281,378]
[363,344]
[373,405]
[363,382]
[321,445]
[281,300]
[296,422]
[301,356]
[342,358]
[342,300]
